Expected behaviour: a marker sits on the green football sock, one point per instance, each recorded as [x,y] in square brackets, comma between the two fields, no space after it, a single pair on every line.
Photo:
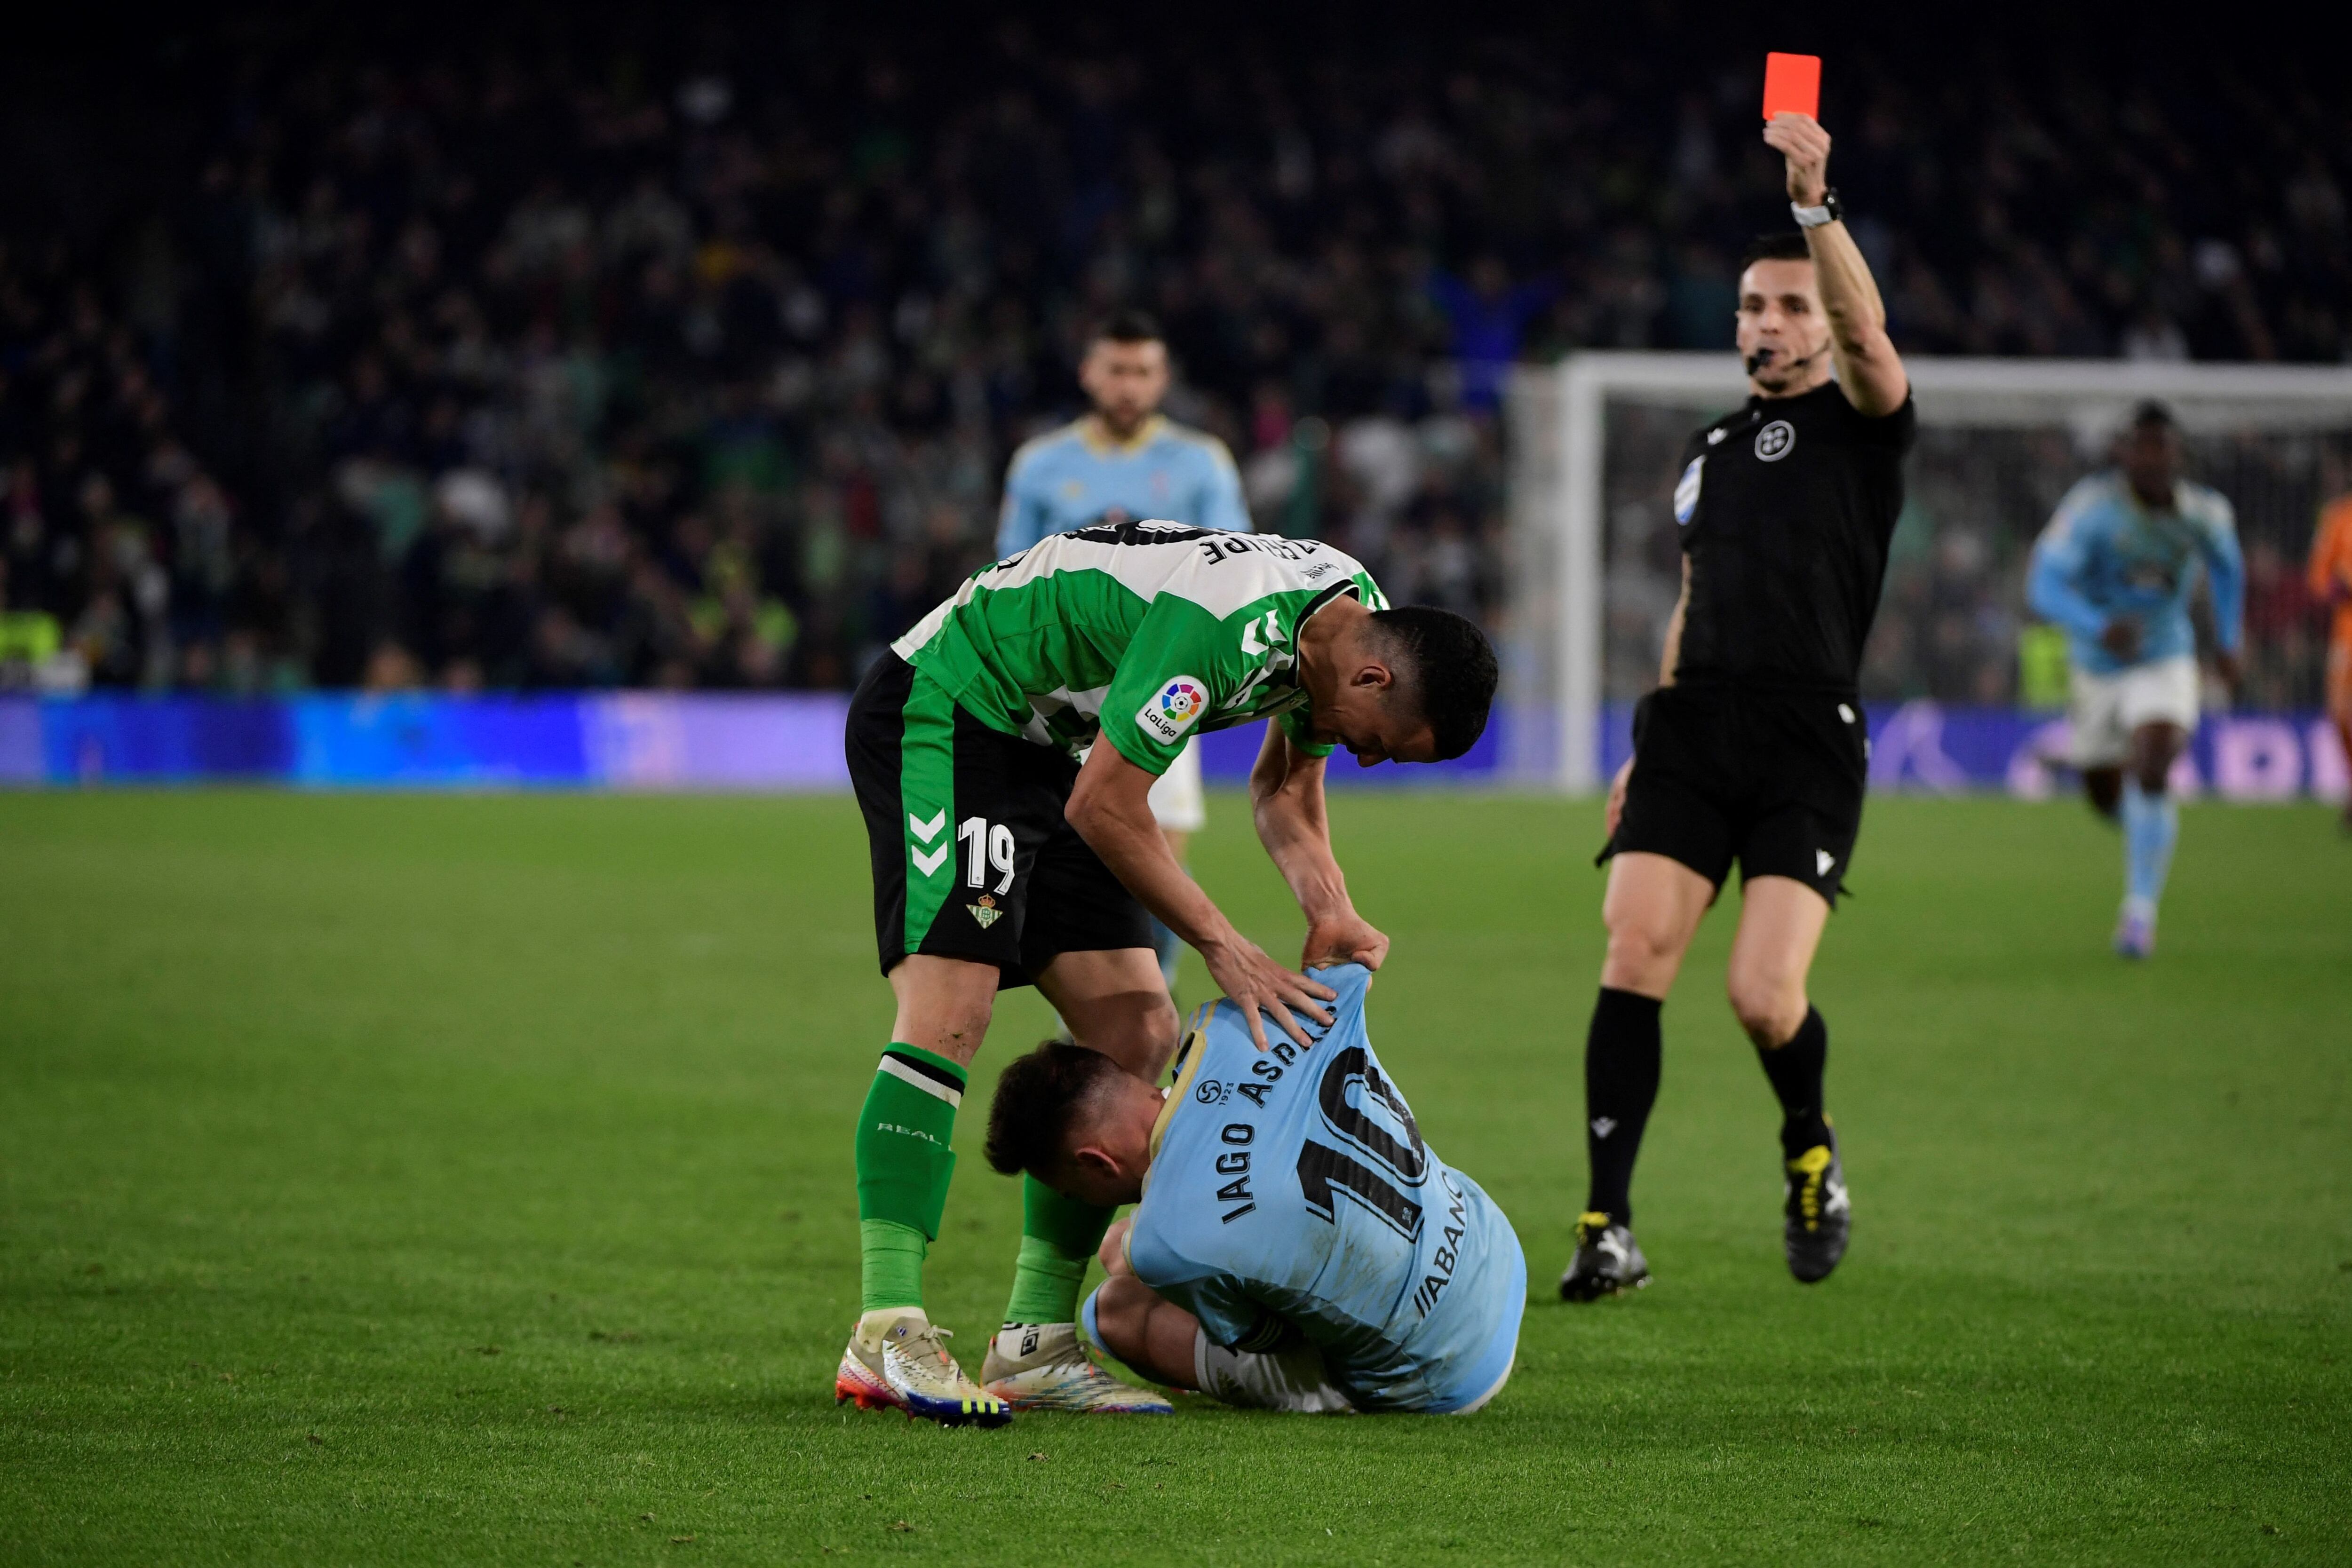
[903,1161]
[1058,1239]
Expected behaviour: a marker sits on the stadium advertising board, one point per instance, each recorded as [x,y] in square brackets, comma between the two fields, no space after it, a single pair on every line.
[638,740]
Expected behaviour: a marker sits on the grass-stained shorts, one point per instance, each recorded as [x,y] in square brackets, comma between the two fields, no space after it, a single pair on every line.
[972,858]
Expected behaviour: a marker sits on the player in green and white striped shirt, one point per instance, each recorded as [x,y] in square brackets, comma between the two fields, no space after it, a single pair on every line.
[1010,849]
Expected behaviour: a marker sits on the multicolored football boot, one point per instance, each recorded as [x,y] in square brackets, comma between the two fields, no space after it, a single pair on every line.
[902,1363]
[1045,1366]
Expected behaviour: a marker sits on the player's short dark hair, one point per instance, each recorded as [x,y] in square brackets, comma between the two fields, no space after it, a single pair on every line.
[1128,327]
[1782,246]
[1451,671]
[2153,416]
[1037,1098]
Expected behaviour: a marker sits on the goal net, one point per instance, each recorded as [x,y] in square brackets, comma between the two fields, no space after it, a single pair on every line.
[1596,565]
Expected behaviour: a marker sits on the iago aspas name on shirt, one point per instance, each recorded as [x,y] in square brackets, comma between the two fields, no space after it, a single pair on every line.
[1384,1174]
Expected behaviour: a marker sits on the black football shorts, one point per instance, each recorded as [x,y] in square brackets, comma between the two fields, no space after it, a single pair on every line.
[972,858]
[1771,778]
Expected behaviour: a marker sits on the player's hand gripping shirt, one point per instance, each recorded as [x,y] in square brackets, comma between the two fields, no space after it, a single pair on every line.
[1292,1188]
[1144,632]
[2105,555]
[1071,478]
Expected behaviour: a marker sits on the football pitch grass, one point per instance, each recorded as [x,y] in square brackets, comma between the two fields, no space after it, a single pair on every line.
[405,1179]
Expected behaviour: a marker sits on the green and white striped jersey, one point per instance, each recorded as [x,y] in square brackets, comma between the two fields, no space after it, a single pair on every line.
[1144,632]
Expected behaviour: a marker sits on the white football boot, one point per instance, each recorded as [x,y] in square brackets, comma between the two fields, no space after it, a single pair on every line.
[1045,1366]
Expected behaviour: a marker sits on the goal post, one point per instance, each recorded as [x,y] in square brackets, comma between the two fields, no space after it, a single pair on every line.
[1593,441]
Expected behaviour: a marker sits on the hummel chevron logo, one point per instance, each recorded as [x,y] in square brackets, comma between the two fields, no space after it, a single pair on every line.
[927,864]
[929,830]
[1603,1125]
[1822,860]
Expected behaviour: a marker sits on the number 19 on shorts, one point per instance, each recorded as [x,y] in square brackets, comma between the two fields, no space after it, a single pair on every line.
[987,847]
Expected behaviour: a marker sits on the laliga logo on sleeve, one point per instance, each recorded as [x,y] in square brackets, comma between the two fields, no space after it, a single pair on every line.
[1171,710]
[1775,440]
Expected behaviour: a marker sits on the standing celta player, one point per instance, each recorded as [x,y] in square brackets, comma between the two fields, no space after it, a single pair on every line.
[1753,746]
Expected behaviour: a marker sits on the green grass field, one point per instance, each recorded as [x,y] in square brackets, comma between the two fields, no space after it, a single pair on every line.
[467,1180]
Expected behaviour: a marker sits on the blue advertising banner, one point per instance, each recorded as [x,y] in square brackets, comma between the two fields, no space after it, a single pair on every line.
[791,741]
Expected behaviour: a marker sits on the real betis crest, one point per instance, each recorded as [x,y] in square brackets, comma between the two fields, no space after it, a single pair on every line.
[985,912]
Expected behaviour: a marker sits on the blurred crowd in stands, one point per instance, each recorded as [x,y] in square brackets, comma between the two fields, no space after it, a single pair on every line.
[509,371]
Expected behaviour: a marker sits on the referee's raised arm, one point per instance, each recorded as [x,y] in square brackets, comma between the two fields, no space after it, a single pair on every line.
[1868,368]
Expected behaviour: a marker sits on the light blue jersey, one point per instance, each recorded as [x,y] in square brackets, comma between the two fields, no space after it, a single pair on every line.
[1073,476]
[1293,1189]
[2104,555]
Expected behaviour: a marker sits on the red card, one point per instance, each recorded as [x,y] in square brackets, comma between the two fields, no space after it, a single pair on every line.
[1792,85]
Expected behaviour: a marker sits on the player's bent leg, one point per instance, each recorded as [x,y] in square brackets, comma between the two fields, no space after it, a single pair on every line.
[1127,1319]
[1291,1377]
[944,1004]
[2151,821]
[2104,789]
[2098,739]
[1114,1002]
[896,1357]
[1780,923]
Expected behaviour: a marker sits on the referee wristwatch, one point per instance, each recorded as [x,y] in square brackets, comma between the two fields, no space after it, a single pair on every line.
[1829,212]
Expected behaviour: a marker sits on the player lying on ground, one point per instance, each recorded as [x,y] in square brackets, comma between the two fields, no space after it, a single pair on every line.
[2115,569]
[1298,1246]
[1752,747]
[999,860]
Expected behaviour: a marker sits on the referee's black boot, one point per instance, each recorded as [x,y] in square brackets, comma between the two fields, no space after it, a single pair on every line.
[1819,1216]
[1608,1260]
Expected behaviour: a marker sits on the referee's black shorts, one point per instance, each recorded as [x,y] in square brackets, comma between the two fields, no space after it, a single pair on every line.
[1772,778]
[973,857]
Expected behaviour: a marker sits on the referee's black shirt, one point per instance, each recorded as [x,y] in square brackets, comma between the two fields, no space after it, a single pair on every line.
[1786,507]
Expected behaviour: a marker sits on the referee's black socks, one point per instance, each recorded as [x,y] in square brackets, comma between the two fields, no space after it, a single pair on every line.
[1795,1070]
[1620,1084]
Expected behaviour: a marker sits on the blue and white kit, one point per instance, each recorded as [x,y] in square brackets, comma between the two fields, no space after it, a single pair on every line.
[1068,478]
[2104,555]
[1072,478]
[1292,1198]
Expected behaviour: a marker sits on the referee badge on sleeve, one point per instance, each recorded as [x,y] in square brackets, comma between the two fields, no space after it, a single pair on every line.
[1687,491]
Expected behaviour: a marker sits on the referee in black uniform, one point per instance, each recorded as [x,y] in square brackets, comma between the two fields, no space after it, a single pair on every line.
[1752,748]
